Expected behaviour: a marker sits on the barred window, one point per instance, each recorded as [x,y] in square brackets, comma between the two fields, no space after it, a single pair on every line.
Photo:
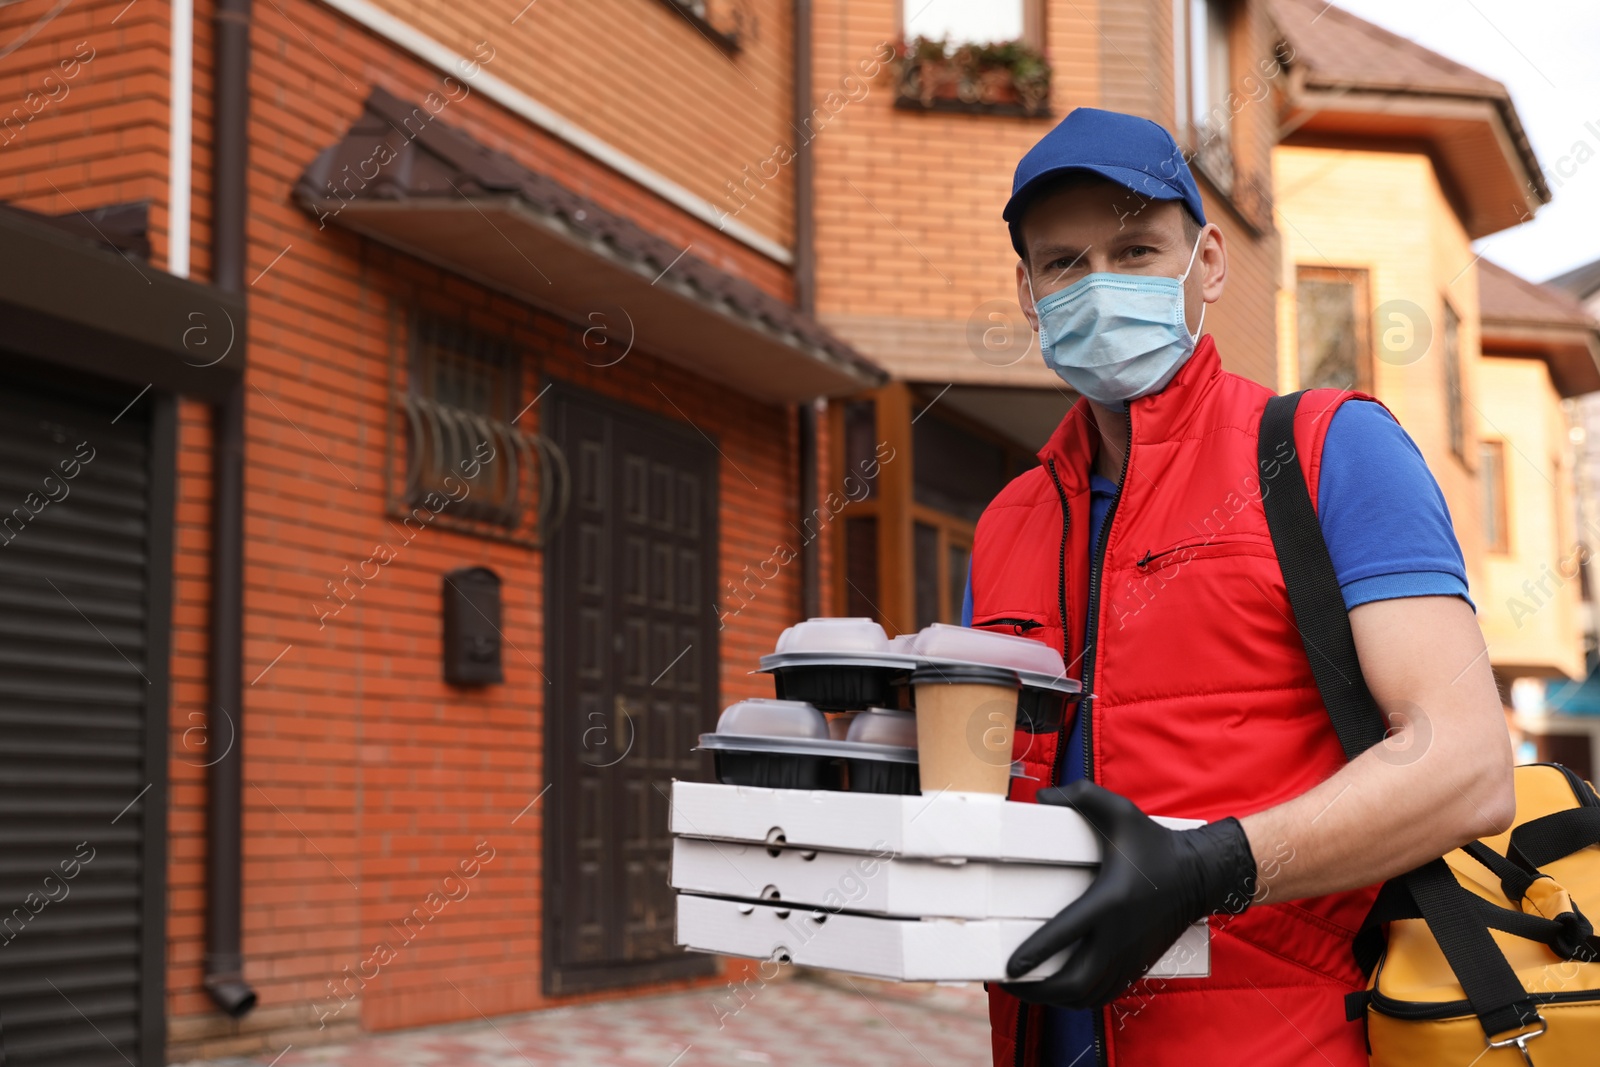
[457,457]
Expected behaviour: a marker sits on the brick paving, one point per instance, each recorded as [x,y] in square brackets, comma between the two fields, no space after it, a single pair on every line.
[810,1021]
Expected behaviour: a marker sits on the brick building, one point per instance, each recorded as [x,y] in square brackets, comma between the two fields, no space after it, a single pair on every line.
[915,267]
[315,311]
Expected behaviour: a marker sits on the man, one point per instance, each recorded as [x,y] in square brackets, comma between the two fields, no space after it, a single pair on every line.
[1140,550]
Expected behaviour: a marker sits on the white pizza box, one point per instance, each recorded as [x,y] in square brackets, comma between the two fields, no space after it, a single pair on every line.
[910,950]
[876,882]
[939,826]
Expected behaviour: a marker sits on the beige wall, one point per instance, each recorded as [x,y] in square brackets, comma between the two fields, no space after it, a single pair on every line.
[1529,606]
[1384,212]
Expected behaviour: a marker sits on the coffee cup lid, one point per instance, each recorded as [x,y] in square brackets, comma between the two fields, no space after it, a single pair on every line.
[964,674]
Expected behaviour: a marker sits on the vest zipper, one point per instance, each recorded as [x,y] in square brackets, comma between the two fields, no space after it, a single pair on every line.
[1061,731]
[1091,637]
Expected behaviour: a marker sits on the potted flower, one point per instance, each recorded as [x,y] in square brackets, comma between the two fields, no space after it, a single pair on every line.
[1010,77]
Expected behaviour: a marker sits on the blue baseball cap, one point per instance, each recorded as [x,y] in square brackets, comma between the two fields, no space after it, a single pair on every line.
[1134,152]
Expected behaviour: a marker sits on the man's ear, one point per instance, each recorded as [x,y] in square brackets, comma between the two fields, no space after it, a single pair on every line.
[1212,263]
[1025,297]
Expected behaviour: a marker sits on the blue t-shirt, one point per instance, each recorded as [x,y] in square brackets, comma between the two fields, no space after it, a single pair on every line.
[1388,532]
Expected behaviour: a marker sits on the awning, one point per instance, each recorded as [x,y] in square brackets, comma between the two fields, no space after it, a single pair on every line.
[404,178]
[95,304]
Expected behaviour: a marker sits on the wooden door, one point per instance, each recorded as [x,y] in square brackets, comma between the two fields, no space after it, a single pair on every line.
[632,661]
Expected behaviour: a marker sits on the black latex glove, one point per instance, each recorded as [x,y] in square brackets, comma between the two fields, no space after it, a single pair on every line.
[1153,883]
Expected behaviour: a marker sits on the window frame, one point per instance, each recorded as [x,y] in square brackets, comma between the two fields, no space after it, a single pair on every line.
[704,15]
[1496,496]
[1032,21]
[1362,279]
[1455,390]
[1201,153]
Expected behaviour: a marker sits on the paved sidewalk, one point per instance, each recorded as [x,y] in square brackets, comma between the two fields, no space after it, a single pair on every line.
[811,1021]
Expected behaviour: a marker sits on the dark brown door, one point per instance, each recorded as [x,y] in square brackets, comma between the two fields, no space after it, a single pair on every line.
[632,655]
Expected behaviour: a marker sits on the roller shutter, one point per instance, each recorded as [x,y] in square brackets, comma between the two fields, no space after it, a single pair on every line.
[82,672]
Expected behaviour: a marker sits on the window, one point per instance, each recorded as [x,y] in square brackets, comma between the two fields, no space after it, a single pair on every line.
[942,551]
[963,22]
[1331,317]
[1203,74]
[1492,480]
[726,23]
[466,465]
[954,469]
[861,567]
[1455,400]
[861,441]
[962,56]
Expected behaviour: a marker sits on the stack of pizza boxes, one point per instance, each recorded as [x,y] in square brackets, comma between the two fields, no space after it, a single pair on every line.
[859,821]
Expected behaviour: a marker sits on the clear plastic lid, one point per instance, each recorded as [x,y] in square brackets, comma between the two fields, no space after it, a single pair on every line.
[834,635]
[884,726]
[942,641]
[773,718]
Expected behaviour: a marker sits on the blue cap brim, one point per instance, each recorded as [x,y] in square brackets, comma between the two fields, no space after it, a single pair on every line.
[1150,186]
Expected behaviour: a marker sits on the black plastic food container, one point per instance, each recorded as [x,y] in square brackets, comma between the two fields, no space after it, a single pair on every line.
[883,776]
[773,770]
[1040,711]
[837,687]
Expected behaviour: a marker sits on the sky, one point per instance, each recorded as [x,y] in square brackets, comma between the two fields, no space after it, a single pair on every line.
[1547,52]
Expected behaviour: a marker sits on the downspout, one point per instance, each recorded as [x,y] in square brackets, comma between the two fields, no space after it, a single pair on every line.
[224,961]
[805,299]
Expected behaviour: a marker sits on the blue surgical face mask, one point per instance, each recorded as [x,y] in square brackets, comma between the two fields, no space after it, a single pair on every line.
[1117,337]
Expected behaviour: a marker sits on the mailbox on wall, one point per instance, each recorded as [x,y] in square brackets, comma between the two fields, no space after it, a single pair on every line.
[472,624]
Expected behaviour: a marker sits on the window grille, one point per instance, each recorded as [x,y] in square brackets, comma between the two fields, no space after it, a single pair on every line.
[464,463]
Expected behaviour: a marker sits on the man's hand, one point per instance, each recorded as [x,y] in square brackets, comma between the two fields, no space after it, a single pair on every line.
[1153,883]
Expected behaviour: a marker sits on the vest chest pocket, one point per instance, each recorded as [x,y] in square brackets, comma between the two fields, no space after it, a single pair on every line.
[1164,561]
[1019,623]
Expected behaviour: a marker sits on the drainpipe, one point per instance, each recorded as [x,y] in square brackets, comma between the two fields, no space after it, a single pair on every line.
[224,962]
[805,299]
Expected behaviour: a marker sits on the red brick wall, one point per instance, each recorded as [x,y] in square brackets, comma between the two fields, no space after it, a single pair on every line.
[367,780]
[640,75]
[83,105]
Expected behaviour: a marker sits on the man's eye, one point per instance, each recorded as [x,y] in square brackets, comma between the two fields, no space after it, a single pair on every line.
[1139,251]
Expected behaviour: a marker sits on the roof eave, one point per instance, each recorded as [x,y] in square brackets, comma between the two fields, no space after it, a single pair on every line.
[1571,351]
[1379,111]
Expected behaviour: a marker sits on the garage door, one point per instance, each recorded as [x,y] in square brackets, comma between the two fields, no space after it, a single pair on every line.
[84,574]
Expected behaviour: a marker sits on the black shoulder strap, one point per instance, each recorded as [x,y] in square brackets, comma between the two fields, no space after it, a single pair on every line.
[1319,611]
[1492,987]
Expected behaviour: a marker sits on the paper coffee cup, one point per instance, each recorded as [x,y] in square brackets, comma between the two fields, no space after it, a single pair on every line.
[966,718]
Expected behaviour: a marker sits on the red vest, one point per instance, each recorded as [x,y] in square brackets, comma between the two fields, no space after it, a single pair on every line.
[1203,706]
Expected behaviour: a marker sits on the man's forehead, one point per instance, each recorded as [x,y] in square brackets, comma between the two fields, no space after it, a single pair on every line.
[1101,212]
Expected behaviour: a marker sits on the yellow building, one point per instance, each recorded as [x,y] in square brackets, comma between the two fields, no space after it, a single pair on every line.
[1393,161]
[1539,347]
